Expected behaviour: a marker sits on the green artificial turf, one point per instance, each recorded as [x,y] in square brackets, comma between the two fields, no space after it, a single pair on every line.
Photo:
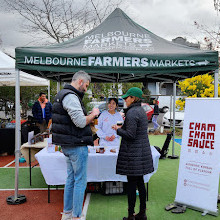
[7,178]
[162,190]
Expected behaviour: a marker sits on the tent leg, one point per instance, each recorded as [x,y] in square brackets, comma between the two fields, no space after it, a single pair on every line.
[58,87]
[48,91]
[17,199]
[216,83]
[174,111]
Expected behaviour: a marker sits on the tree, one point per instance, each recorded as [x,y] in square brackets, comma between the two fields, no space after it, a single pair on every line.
[217,5]
[62,19]
[211,40]
[29,94]
[105,90]
[198,86]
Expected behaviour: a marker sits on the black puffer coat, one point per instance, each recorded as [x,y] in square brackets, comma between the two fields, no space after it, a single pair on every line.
[134,158]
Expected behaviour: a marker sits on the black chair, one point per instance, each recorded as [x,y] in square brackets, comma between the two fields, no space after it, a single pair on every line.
[7,143]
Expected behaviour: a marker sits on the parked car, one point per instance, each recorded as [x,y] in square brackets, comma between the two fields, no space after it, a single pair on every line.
[148,109]
[179,119]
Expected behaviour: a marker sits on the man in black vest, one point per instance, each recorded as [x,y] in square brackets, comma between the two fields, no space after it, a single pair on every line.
[71,130]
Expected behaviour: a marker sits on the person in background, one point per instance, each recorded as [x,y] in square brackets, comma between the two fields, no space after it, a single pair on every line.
[71,130]
[155,115]
[107,135]
[42,111]
[134,158]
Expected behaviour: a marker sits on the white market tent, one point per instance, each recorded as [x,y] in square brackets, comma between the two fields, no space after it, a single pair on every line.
[8,77]
[8,74]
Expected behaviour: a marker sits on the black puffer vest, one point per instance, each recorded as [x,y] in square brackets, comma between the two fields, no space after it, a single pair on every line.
[65,132]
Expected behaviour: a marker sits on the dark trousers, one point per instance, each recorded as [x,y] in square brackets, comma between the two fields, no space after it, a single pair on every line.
[133,182]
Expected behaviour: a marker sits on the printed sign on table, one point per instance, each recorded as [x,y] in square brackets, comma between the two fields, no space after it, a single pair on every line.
[198,176]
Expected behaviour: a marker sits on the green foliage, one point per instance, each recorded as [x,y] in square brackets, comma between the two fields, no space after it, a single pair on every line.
[105,90]
[28,95]
[86,101]
[127,86]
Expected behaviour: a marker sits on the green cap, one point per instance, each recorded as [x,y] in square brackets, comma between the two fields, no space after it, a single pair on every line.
[134,91]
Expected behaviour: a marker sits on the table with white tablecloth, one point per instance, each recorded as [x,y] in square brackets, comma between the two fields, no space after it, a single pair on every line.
[101,167]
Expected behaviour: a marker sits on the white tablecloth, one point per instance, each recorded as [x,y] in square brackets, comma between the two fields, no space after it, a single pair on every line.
[101,167]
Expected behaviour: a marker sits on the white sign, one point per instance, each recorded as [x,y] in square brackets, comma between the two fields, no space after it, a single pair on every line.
[198,177]
[30,136]
[118,40]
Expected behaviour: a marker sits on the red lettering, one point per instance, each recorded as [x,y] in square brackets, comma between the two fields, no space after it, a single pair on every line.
[191,125]
[211,127]
[201,144]
[190,142]
[203,127]
[191,133]
[195,143]
[197,133]
[210,135]
[211,144]
[207,144]
[202,135]
[197,126]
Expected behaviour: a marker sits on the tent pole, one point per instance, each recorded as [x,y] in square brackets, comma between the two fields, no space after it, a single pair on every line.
[17,131]
[48,88]
[174,112]
[171,101]
[58,87]
[17,199]
[216,83]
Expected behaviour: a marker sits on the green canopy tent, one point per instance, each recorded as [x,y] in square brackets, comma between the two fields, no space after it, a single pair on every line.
[118,50]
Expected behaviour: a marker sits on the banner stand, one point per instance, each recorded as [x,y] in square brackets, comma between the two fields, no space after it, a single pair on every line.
[198,176]
[204,212]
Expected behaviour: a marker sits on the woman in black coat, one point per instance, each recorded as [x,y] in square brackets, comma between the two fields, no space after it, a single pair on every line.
[134,158]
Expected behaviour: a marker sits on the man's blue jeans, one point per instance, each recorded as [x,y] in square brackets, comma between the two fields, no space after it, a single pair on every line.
[76,182]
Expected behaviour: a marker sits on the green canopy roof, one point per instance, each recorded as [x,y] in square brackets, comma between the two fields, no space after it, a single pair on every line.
[117,50]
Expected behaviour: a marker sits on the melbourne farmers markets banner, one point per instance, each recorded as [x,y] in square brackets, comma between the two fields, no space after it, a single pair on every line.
[198,176]
[110,61]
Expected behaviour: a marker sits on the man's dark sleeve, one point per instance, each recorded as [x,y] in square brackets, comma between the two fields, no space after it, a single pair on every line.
[34,110]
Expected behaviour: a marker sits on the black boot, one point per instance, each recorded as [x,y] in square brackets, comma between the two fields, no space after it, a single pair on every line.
[141,215]
[130,217]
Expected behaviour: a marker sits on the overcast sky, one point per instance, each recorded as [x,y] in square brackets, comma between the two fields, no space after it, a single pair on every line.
[165,18]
